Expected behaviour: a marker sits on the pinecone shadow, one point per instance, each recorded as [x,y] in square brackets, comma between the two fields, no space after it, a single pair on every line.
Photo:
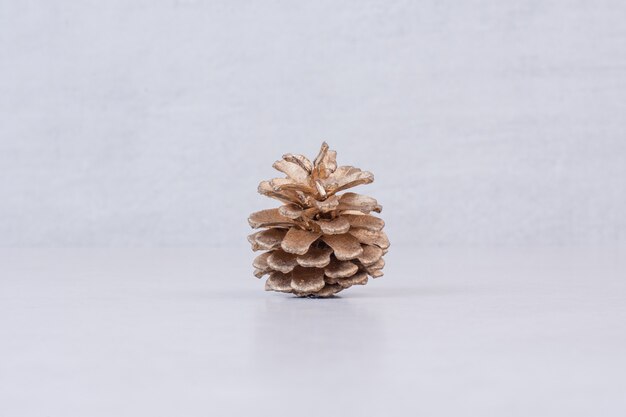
[314,334]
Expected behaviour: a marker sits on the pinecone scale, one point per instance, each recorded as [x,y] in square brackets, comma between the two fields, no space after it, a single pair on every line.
[319,242]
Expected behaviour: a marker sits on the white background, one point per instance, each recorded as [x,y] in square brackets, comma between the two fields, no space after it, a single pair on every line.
[497,133]
[150,123]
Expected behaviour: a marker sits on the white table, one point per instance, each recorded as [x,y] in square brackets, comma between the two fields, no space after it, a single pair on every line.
[190,332]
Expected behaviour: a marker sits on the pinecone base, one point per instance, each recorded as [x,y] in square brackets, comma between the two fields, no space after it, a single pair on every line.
[318,272]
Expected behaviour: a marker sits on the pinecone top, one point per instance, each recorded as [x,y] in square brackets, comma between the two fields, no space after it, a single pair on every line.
[309,192]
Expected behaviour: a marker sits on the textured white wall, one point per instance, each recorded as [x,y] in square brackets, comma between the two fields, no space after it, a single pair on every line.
[151,122]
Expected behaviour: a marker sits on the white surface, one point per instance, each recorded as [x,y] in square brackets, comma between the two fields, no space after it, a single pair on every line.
[485,122]
[191,333]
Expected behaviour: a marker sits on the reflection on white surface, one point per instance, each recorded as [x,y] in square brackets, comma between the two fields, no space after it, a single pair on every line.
[191,332]
[313,335]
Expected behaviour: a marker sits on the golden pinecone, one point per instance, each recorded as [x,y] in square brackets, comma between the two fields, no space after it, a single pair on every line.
[318,242]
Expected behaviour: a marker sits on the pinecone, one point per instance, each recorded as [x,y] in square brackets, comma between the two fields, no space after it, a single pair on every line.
[319,242]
